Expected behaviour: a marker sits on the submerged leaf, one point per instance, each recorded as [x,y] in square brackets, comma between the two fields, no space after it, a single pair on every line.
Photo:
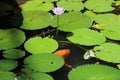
[44,62]
[38,45]
[94,72]
[108,52]
[11,38]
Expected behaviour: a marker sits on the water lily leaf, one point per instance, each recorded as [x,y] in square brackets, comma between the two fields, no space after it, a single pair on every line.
[94,72]
[11,38]
[34,20]
[13,53]
[101,6]
[7,75]
[6,65]
[90,14]
[44,62]
[37,6]
[35,76]
[110,21]
[108,52]
[114,35]
[49,0]
[71,21]
[38,45]
[71,5]
[86,37]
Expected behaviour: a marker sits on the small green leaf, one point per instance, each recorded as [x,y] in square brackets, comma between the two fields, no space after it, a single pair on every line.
[71,5]
[108,52]
[94,72]
[101,6]
[6,65]
[70,21]
[38,45]
[13,53]
[86,37]
[34,20]
[7,75]
[11,38]
[44,62]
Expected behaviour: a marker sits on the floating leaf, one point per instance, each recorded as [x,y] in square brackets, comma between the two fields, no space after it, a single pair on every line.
[94,72]
[37,6]
[115,35]
[13,53]
[7,75]
[34,20]
[49,0]
[38,45]
[108,52]
[101,6]
[11,38]
[35,76]
[44,62]
[6,65]
[71,21]
[90,14]
[86,37]
[71,5]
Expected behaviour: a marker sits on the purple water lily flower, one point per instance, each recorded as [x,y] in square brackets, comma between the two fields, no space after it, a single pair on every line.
[58,10]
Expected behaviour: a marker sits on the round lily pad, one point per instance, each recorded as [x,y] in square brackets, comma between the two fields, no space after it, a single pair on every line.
[34,20]
[86,37]
[94,72]
[38,45]
[70,21]
[44,62]
[108,52]
[6,65]
[71,5]
[101,6]
[7,75]
[13,53]
[35,76]
[11,38]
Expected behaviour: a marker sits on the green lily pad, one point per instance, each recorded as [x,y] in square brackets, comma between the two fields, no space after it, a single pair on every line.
[6,65]
[94,72]
[86,37]
[37,6]
[34,20]
[7,75]
[13,53]
[114,35]
[38,45]
[70,21]
[35,76]
[11,38]
[71,5]
[49,0]
[101,6]
[109,21]
[44,62]
[108,52]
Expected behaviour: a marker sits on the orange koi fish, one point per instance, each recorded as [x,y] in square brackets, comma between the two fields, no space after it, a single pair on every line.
[64,53]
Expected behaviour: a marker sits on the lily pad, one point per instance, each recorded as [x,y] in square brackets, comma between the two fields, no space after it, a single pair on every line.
[44,62]
[114,35]
[11,38]
[86,37]
[101,6]
[37,6]
[34,20]
[7,75]
[35,76]
[6,65]
[38,45]
[13,53]
[71,5]
[108,52]
[94,72]
[70,21]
